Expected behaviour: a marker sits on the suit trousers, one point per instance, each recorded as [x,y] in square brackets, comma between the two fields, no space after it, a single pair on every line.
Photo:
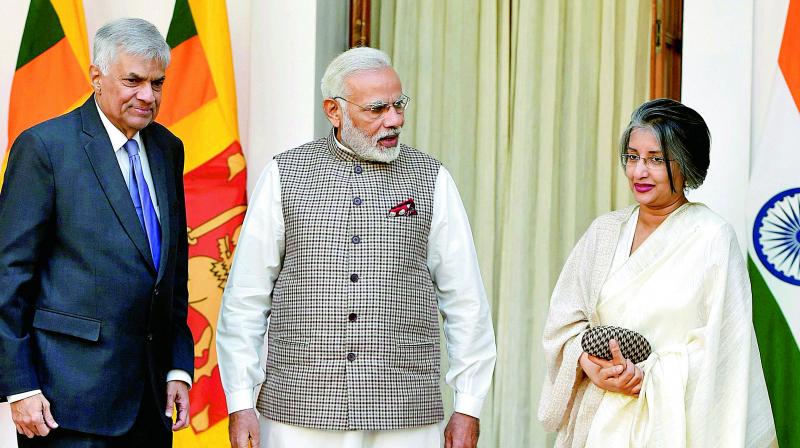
[280,435]
[149,430]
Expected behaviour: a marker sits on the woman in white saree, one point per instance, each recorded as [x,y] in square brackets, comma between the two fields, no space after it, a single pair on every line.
[670,270]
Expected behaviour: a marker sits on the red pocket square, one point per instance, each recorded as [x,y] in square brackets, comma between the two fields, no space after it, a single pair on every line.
[405,208]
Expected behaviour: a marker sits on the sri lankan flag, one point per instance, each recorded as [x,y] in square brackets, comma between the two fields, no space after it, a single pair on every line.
[53,63]
[199,106]
[774,218]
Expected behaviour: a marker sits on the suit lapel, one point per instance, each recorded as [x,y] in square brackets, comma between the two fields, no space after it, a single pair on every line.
[162,179]
[98,149]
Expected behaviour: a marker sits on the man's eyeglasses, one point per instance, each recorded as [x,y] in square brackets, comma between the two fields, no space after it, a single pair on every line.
[650,162]
[377,109]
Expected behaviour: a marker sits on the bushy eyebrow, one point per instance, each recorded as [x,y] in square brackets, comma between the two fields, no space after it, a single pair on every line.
[377,103]
[381,102]
[138,77]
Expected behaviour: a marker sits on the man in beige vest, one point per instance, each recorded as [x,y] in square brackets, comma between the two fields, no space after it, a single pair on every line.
[352,246]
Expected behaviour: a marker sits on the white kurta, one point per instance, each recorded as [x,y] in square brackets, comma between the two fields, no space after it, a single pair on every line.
[687,291]
[280,435]
[452,263]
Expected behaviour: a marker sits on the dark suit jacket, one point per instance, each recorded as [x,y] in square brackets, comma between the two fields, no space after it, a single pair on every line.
[84,316]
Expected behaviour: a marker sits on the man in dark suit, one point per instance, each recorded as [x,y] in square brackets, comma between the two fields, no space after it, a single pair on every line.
[94,345]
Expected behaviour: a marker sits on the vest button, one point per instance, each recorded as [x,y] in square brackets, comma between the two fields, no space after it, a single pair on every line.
[353,278]
[357,201]
[352,317]
[356,239]
[358,169]
[351,357]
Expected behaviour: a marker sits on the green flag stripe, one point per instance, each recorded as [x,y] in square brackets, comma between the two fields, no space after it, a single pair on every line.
[780,357]
[42,31]
[181,28]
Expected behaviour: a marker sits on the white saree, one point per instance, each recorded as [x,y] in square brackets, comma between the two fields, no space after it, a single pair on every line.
[686,290]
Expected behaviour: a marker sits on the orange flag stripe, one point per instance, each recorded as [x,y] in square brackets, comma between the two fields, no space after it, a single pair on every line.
[188,72]
[38,79]
[789,57]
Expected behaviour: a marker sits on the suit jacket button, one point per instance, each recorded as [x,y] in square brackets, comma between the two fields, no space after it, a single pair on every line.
[358,169]
[150,336]
[352,317]
[353,278]
[357,201]
[155,292]
[351,357]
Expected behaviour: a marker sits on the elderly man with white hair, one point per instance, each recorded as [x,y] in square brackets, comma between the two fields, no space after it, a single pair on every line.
[352,247]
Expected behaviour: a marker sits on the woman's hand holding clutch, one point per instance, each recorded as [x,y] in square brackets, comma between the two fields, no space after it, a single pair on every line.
[617,375]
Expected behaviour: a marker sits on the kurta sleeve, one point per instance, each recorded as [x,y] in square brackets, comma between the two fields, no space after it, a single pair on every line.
[727,401]
[247,299]
[453,265]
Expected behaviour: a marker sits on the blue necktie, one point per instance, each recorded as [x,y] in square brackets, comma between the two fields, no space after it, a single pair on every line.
[140,194]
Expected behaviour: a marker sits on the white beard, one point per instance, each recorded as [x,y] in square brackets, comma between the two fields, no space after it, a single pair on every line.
[365,147]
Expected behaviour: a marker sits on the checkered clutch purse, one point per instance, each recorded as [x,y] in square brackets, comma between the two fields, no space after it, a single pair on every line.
[633,345]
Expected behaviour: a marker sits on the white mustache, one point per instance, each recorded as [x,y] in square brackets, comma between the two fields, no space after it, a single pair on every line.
[389,133]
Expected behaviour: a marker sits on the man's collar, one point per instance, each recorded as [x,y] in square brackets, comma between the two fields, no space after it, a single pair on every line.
[341,146]
[118,139]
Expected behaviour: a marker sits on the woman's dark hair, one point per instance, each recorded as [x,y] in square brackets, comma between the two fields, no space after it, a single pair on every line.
[682,134]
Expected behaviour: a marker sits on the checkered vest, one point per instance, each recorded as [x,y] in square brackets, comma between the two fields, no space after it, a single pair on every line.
[354,333]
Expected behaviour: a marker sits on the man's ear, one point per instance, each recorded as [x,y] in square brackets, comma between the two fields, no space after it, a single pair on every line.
[333,111]
[94,78]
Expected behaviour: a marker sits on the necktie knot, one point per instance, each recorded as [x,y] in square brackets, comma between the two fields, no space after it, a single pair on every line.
[131,147]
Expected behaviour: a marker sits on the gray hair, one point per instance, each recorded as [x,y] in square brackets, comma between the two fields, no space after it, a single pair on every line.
[135,37]
[352,61]
[682,134]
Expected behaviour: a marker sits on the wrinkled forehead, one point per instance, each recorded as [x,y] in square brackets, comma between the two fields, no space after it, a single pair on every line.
[143,66]
[371,86]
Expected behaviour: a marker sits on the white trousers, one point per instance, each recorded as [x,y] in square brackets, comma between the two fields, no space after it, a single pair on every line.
[281,435]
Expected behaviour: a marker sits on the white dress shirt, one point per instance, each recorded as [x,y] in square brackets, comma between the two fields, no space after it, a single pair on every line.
[118,140]
[452,263]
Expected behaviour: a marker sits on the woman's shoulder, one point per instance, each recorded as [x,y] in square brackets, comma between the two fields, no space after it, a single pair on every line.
[613,219]
[702,218]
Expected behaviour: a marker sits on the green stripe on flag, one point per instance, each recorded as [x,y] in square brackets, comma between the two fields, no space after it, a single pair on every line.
[42,31]
[780,358]
[181,28]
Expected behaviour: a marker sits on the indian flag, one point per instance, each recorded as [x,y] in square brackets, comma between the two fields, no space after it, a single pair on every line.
[774,251]
[54,37]
[199,106]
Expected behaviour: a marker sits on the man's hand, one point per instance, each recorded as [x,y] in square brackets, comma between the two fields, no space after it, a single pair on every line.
[618,375]
[178,398]
[243,429]
[32,416]
[462,431]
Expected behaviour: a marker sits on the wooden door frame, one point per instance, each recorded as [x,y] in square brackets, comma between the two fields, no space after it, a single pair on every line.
[359,23]
[666,49]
